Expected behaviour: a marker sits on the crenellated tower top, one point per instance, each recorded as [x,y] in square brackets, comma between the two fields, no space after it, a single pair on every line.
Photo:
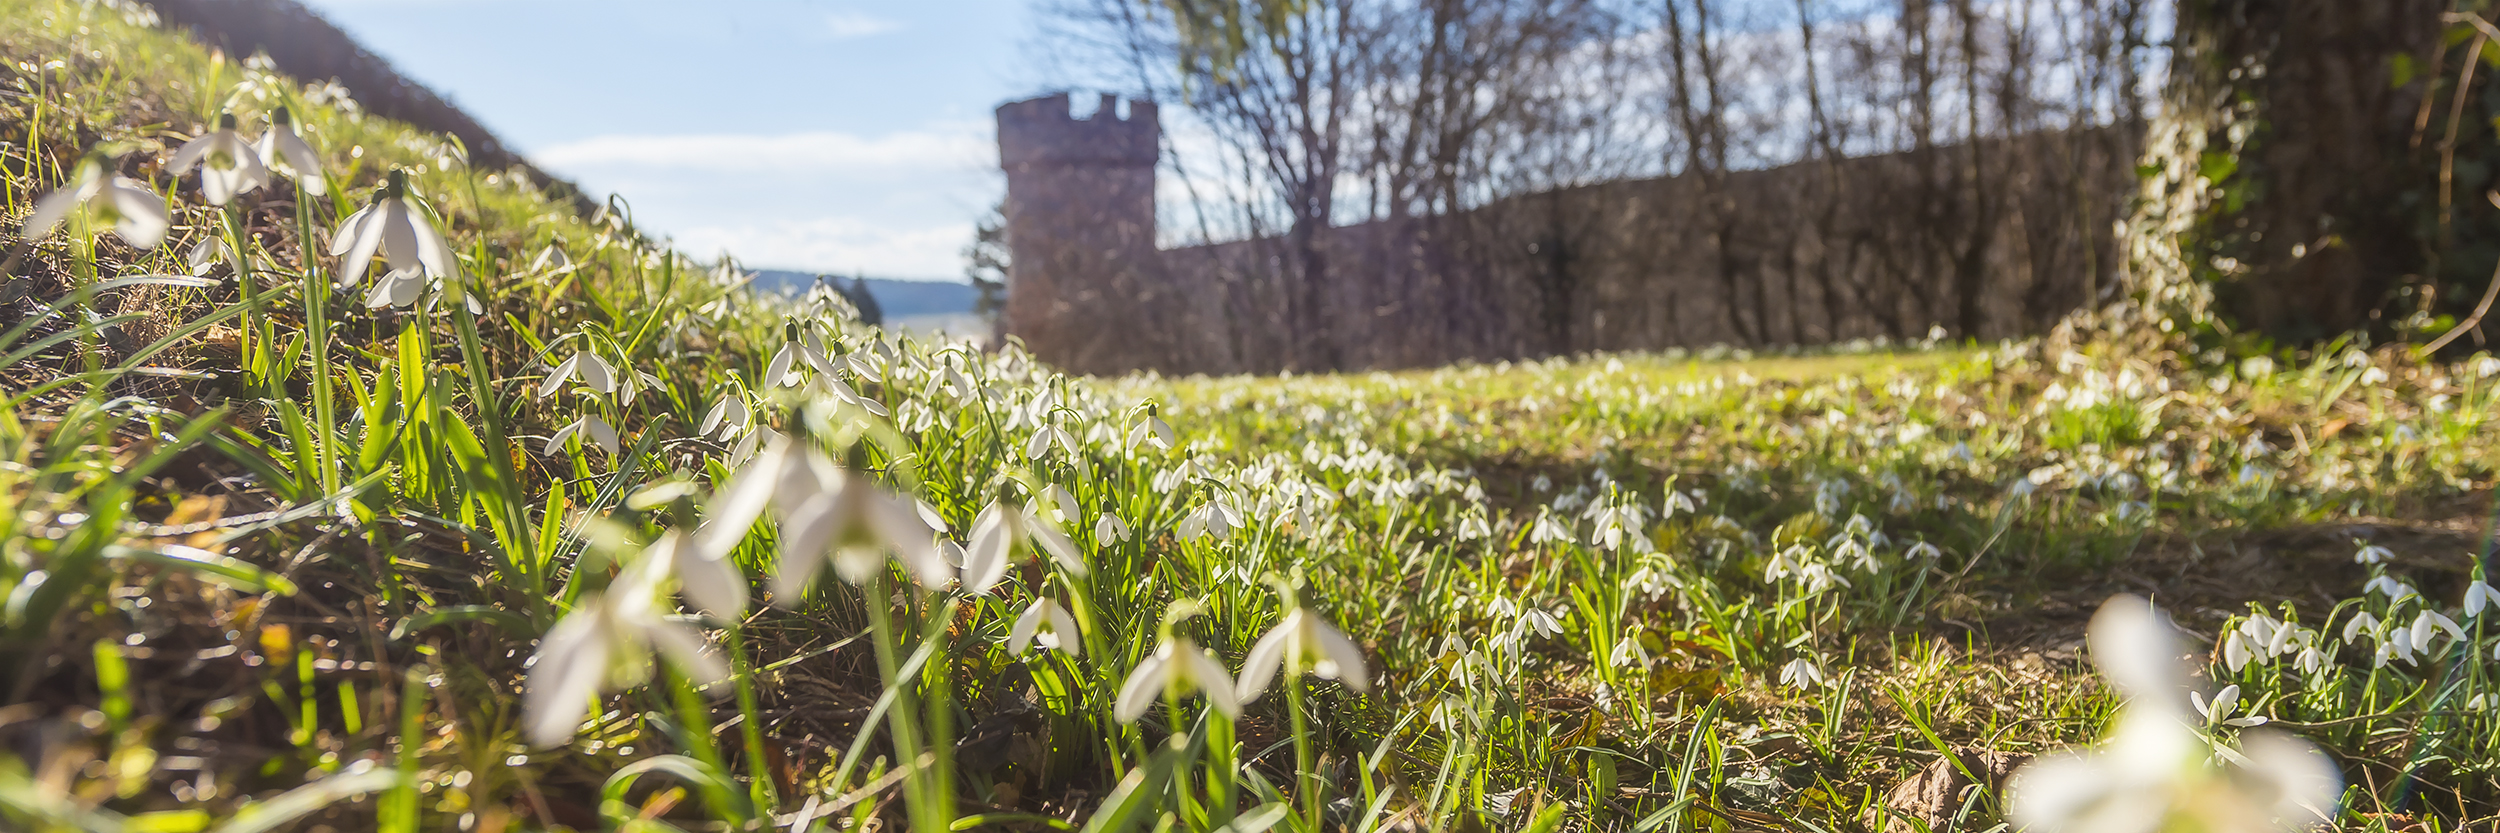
[1041,131]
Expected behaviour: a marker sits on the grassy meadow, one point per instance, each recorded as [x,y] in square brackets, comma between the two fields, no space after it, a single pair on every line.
[392,494]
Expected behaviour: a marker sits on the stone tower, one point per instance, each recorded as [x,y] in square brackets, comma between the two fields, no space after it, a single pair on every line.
[1080,231]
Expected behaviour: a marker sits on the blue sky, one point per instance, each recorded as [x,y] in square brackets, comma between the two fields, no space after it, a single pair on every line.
[822,135]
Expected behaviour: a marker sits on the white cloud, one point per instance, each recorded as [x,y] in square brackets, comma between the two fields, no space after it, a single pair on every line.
[840,244]
[821,152]
[893,205]
[848,25]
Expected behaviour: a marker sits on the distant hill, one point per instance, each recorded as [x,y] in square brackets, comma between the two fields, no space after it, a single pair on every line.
[303,44]
[898,299]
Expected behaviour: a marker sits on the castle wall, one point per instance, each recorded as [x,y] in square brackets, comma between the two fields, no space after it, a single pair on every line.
[1810,253]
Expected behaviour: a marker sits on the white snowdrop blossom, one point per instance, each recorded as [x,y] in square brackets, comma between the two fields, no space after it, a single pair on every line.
[229,165]
[1005,531]
[2219,709]
[2478,595]
[589,427]
[596,374]
[2156,772]
[1216,518]
[282,150]
[605,644]
[1151,432]
[2372,554]
[1180,668]
[1302,643]
[1545,624]
[830,517]
[398,227]
[1802,673]
[2394,590]
[728,418]
[2360,623]
[2426,630]
[1047,625]
[138,215]
[1110,529]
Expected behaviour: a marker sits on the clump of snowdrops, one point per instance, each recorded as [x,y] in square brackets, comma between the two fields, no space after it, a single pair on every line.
[435,505]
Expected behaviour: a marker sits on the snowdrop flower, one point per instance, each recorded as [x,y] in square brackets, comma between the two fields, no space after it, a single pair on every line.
[2397,646]
[1549,530]
[2311,659]
[1300,643]
[282,150]
[1216,518]
[784,368]
[2219,709]
[1801,673]
[1181,668]
[1629,653]
[2372,554]
[398,227]
[2395,591]
[1109,528]
[229,165]
[713,584]
[2235,651]
[1060,502]
[1152,431]
[2360,623]
[596,374]
[1545,624]
[2428,626]
[1925,550]
[606,643]
[1003,532]
[1048,625]
[728,418]
[138,215]
[829,516]
[1045,438]
[2478,594]
[590,427]
[2156,772]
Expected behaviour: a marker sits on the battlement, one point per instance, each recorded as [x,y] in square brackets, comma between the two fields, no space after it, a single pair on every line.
[1040,131]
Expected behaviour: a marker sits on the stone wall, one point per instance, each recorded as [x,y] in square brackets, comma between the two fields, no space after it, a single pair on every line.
[1810,253]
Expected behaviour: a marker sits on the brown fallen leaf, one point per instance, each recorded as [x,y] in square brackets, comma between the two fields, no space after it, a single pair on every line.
[1936,794]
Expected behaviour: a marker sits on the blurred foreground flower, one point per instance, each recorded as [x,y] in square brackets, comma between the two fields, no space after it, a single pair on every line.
[2156,771]
[229,165]
[1302,643]
[607,642]
[829,516]
[138,215]
[1180,667]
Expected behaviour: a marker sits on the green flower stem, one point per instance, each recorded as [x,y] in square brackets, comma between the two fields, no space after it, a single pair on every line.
[761,787]
[1306,777]
[316,302]
[924,813]
[518,546]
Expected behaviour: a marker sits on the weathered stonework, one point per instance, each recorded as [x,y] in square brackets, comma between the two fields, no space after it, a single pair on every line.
[1080,228]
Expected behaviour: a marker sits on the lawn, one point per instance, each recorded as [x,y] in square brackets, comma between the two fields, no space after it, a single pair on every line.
[548,526]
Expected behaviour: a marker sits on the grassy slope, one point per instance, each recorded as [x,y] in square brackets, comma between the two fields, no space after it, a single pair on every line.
[1403,502]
